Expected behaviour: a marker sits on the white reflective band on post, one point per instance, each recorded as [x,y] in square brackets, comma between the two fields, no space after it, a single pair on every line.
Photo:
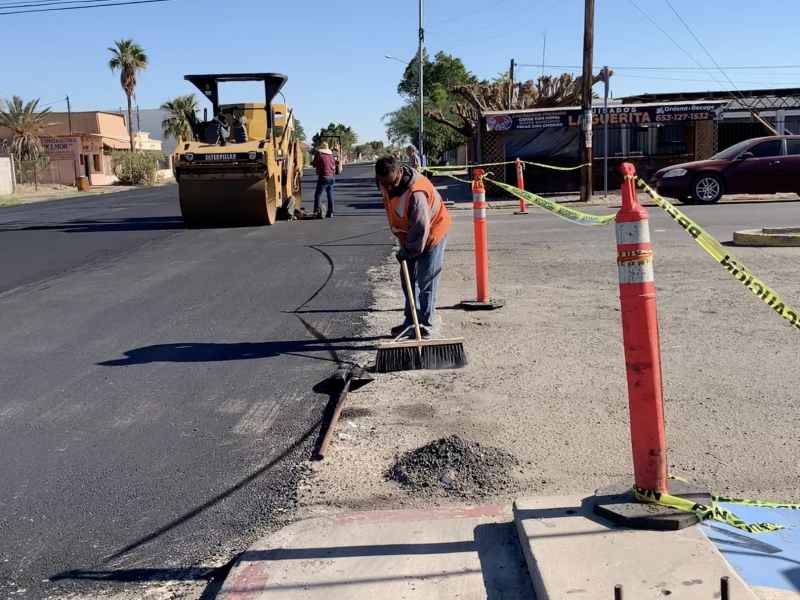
[479,213]
[637,232]
[636,273]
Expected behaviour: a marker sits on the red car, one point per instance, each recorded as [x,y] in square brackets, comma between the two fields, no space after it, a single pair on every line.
[768,165]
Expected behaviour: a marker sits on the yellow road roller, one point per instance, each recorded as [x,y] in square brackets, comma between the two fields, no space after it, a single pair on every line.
[241,164]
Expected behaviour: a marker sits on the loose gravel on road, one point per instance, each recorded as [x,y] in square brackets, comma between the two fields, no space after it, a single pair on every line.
[453,466]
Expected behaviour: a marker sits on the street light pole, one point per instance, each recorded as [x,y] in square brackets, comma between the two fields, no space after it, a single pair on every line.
[420,67]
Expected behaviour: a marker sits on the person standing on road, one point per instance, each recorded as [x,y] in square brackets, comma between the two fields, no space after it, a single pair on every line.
[325,165]
[420,221]
[413,157]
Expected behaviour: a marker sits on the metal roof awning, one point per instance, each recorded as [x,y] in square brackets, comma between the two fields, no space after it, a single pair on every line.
[768,99]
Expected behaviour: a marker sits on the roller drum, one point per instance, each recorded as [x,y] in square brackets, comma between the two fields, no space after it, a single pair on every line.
[226,202]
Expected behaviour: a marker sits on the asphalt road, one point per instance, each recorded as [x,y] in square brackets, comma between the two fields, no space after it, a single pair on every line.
[156,383]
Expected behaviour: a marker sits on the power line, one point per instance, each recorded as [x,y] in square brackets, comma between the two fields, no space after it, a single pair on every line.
[505,32]
[511,18]
[657,26]
[760,68]
[58,9]
[51,103]
[9,4]
[667,70]
[701,80]
[471,12]
[701,45]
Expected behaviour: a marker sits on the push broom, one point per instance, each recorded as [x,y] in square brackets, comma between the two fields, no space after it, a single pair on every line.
[408,355]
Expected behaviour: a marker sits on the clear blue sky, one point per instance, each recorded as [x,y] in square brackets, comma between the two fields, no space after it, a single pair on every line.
[333,50]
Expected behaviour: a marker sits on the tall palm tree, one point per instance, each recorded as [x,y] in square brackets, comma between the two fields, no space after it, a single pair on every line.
[26,124]
[176,122]
[128,58]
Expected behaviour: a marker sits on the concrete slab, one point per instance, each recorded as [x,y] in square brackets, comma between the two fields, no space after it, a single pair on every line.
[445,553]
[572,554]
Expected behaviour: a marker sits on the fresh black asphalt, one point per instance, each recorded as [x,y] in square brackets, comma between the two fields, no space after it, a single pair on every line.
[156,383]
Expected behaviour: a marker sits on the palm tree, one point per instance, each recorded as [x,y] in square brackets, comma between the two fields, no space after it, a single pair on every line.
[26,124]
[128,58]
[176,121]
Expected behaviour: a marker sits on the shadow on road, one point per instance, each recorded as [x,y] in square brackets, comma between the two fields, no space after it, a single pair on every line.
[198,352]
[113,225]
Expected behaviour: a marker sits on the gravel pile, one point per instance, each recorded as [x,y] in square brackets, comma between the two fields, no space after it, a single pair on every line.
[452,466]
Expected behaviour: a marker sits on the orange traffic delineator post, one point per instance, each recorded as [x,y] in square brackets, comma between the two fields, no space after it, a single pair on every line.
[483,301]
[637,294]
[521,185]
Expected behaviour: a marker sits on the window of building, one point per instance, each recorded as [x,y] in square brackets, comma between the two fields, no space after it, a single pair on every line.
[96,163]
[81,159]
[793,147]
[766,149]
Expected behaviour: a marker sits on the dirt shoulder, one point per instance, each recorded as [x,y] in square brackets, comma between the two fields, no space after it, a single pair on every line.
[546,380]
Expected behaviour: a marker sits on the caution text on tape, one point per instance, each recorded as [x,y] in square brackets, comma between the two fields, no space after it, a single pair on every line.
[725,258]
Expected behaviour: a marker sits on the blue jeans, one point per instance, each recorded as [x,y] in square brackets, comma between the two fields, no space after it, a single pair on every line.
[425,271]
[324,185]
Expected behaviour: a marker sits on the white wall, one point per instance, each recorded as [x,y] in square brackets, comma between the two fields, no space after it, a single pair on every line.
[150,121]
[8,184]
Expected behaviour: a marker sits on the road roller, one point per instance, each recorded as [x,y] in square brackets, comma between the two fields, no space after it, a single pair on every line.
[236,171]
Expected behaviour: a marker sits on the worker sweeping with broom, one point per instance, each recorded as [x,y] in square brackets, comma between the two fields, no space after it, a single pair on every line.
[420,221]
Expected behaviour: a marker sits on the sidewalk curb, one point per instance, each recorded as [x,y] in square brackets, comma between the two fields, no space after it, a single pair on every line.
[570,550]
[252,573]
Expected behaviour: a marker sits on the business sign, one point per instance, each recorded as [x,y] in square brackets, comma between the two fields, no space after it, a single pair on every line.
[66,148]
[630,114]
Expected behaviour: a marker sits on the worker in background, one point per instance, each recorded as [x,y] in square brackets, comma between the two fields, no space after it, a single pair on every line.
[420,221]
[413,157]
[325,165]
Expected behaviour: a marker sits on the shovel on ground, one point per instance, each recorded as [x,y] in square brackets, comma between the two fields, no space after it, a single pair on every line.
[341,382]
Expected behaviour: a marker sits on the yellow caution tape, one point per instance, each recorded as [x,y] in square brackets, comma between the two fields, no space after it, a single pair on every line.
[574,216]
[556,168]
[725,258]
[511,162]
[729,500]
[703,512]
[462,167]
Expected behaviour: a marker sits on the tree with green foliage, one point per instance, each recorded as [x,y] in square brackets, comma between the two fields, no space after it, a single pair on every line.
[298,133]
[471,100]
[135,167]
[441,75]
[348,137]
[26,124]
[128,58]
[176,122]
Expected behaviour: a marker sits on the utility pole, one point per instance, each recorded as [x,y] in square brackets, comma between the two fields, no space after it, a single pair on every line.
[605,132]
[586,101]
[421,67]
[544,49]
[511,87]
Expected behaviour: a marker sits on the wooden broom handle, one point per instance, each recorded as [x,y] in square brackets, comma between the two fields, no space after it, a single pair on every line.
[411,301]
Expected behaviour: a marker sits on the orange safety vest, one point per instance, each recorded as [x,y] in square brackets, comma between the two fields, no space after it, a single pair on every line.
[397,211]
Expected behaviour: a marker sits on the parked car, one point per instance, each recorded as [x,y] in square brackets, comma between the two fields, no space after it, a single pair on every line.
[768,165]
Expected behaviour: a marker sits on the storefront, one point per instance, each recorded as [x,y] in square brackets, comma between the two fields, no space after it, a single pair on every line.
[651,135]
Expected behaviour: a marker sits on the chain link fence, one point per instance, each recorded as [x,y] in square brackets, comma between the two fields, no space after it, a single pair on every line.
[38,172]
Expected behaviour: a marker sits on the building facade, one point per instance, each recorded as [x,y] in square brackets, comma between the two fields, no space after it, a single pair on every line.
[80,144]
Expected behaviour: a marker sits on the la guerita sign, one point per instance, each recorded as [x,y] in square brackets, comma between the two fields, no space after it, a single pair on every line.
[66,148]
[620,114]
